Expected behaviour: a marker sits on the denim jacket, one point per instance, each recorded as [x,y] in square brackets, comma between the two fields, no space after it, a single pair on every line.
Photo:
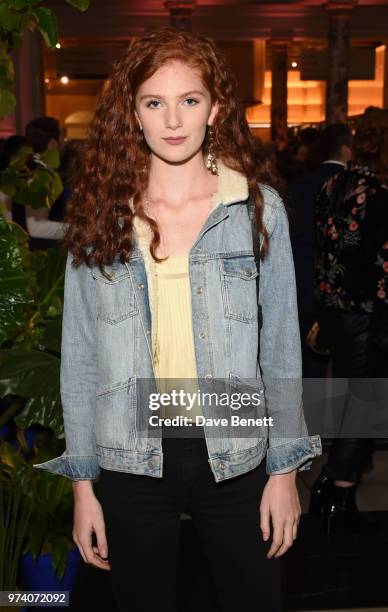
[106,352]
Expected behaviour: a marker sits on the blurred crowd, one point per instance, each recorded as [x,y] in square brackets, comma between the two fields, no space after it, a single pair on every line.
[44,225]
[334,181]
[336,189]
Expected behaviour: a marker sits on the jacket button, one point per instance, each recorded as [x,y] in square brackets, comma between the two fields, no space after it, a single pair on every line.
[221,465]
[200,290]
[208,377]
[141,285]
[202,335]
[248,272]
[151,463]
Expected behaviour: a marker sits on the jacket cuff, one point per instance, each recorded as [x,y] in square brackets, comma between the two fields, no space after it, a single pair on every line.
[294,454]
[75,467]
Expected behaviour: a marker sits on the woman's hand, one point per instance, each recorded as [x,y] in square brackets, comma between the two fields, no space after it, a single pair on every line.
[280,503]
[89,518]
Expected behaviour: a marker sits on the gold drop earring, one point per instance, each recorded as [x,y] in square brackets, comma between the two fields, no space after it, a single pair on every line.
[211,162]
[144,168]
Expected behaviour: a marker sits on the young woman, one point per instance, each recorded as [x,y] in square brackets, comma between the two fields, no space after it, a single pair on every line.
[161,286]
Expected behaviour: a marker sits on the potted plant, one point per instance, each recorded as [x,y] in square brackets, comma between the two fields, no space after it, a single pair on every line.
[15,511]
[39,503]
[36,549]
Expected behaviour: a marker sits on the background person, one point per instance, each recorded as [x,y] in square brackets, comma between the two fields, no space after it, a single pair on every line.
[42,134]
[351,289]
[336,146]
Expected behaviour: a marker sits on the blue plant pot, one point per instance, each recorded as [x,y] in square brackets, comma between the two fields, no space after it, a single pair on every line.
[39,575]
[30,434]
[4,432]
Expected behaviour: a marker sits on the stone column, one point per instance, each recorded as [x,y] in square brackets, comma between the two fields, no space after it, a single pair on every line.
[29,80]
[385,85]
[181,13]
[338,60]
[258,69]
[279,92]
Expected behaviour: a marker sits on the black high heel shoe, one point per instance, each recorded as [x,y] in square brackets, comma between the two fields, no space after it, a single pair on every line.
[320,493]
[341,514]
[340,509]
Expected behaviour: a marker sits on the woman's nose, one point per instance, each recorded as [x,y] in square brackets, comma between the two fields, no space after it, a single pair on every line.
[173,120]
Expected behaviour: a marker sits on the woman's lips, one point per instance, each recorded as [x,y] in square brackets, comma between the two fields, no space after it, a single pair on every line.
[175,141]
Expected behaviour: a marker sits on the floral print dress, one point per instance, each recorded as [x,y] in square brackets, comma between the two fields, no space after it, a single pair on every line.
[351,219]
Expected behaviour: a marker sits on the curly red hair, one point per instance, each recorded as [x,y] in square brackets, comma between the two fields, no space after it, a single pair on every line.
[114,165]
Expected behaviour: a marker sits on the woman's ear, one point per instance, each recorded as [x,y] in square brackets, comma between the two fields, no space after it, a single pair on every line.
[138,121]
[213,113]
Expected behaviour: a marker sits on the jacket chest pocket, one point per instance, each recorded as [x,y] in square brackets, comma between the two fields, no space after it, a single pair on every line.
[115,298]
[238,285]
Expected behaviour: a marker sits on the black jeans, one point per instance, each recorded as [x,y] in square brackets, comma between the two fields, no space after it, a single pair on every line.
[354,355]
[142,522]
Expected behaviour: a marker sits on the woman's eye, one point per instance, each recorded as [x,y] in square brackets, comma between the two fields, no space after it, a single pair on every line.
[191,100]
[152,102]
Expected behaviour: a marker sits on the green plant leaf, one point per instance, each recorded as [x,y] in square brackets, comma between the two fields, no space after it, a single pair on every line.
[18,162]
[21,4]
[10,69]
[34,375]
[8,189]
[7,102]
[47,25]
[9,19]
[51,339]
[22,193]
[51,281]
[6,73]
[36,535]
[5,82]
[56,188]
[41,190]
[16,280]
[51,158]
[60,548]
[18,471]
[81,5]
[41,181]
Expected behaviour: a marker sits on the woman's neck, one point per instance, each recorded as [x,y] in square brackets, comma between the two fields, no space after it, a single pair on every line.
[176,183]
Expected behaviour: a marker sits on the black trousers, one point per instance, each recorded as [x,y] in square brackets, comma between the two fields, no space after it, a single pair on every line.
[142,521]
[354,355]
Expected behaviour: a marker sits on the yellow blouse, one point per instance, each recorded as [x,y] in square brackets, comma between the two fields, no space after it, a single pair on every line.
[172,332]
